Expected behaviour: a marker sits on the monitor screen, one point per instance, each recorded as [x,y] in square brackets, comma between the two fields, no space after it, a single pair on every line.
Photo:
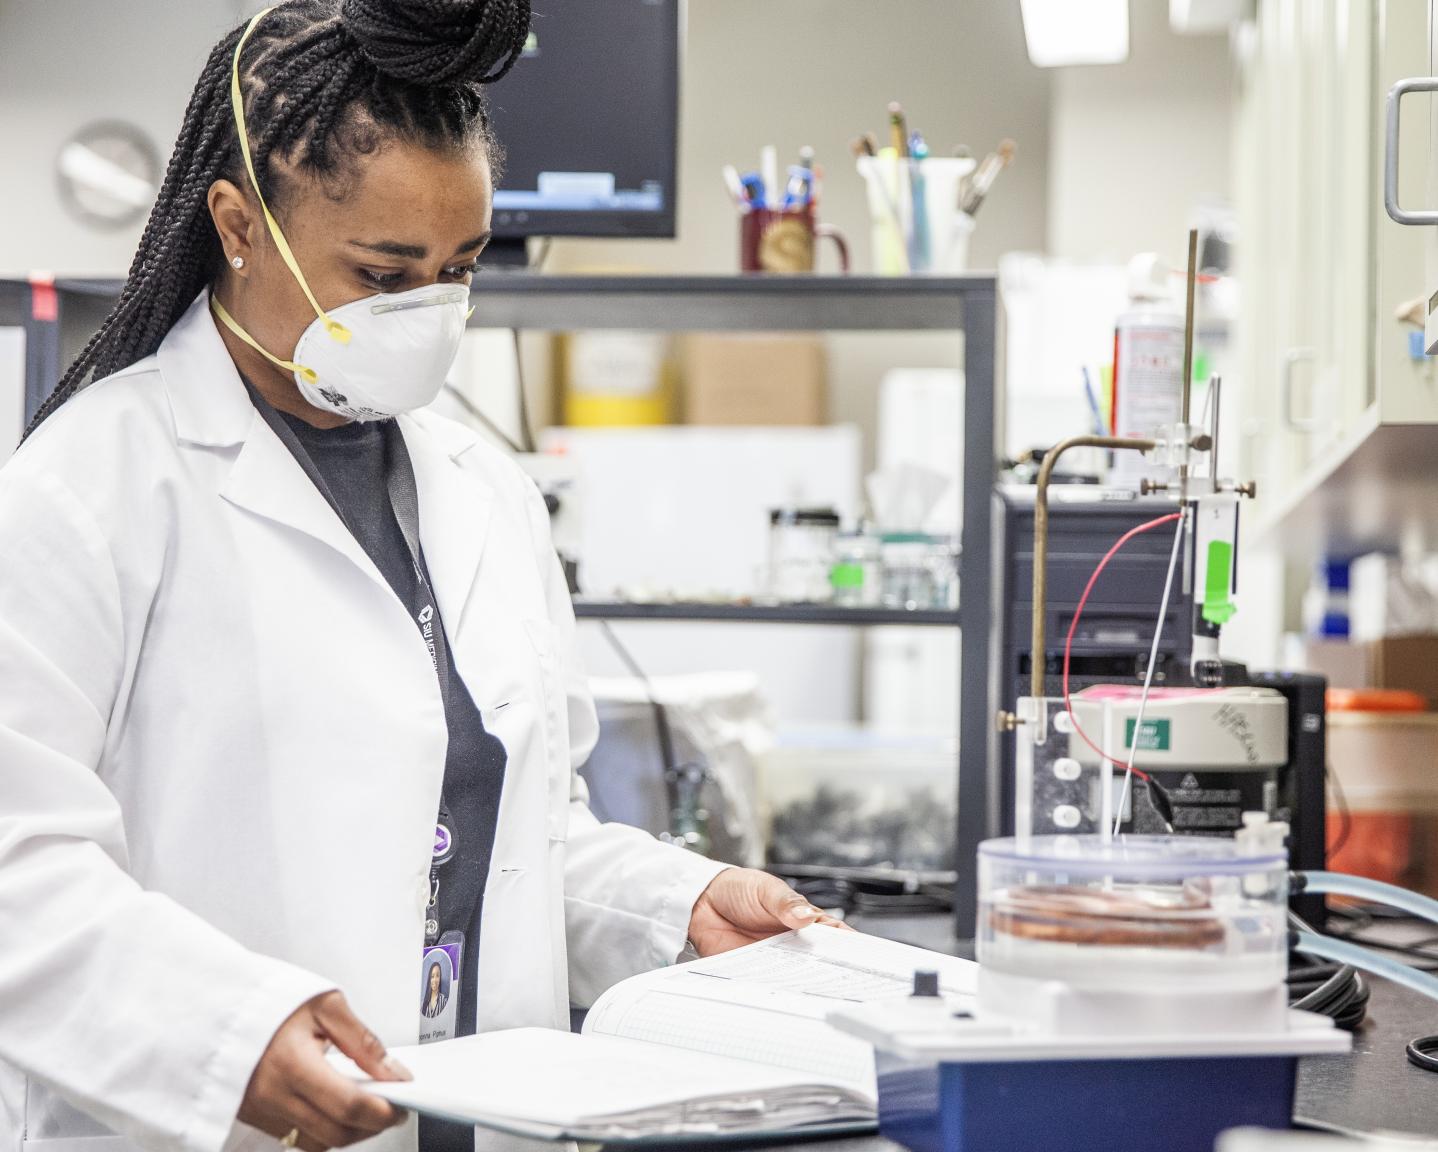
[589,122]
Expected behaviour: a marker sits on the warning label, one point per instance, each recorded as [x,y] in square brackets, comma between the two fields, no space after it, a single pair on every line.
[1214,802]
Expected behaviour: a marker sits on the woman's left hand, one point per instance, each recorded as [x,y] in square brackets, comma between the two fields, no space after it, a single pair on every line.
[742,905]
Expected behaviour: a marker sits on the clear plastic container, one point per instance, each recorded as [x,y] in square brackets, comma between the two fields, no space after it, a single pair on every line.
[1133,913]
[855,574]
[919,571]
[801,549]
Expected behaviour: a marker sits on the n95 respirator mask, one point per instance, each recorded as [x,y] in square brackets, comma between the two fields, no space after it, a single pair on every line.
[369,359]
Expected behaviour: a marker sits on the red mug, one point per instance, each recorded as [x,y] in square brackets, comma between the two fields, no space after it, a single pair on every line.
[782,240]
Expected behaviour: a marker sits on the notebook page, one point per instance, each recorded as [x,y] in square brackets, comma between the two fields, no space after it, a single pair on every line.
[769,1001]
[831,964]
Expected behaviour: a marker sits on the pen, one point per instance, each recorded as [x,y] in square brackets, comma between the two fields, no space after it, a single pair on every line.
[1094,410]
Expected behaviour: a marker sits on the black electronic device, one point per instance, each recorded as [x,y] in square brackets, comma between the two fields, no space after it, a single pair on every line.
[588,119]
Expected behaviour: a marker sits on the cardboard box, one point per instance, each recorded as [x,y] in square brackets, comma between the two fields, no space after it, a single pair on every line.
[755,380]
[1407,662]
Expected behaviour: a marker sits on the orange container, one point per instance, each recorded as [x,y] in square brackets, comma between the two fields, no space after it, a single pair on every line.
[1383,794]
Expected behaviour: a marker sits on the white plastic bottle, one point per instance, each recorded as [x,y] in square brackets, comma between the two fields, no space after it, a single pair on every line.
[1147,363]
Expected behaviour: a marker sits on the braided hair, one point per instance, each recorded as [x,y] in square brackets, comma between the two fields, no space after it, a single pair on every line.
[324,81]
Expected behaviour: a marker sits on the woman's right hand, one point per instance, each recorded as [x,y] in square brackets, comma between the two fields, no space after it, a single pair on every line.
[294,1086]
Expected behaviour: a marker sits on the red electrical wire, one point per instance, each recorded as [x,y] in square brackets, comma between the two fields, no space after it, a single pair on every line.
[1073,627]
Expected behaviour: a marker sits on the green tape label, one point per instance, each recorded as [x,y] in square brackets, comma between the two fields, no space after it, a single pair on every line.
[1217,607]
[1156,736]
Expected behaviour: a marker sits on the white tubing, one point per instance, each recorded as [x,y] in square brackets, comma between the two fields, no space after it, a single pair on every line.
[1342,952]
[1374,891]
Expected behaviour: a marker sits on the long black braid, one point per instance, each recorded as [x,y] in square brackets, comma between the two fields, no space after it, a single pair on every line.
[323,81]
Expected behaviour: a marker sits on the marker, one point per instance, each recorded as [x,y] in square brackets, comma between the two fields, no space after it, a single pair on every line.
[898,131]
[736,187]
[769,167]
[799,191]
[753,187]
[919,256]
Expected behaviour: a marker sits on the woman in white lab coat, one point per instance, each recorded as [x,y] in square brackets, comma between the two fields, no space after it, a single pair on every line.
[227,719]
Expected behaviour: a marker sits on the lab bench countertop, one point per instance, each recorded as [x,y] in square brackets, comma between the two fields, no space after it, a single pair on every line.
[1372,1090]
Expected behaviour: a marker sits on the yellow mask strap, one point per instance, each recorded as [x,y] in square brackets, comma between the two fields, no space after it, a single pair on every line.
[336,330]
[309,374]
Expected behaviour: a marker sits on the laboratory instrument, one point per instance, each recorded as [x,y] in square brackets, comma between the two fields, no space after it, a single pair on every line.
[1131,995]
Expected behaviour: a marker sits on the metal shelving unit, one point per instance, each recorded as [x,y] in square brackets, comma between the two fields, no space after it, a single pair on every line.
[961,304]
[765,614]
[966,304]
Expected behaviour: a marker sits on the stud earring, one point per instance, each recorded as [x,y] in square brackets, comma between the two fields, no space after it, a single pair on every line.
[238,261]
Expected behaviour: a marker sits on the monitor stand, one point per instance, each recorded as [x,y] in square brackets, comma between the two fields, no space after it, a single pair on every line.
[505,254]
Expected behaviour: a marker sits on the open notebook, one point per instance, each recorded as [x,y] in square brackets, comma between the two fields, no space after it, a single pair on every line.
[733,1046]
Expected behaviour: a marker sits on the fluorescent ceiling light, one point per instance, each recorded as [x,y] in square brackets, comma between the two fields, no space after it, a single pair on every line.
[1063,32]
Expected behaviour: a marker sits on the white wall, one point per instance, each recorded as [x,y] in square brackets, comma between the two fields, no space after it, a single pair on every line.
[1135,146]
[789,72]
[65,63]
[820,72]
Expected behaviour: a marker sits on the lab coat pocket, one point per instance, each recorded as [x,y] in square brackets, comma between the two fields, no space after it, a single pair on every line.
[553,705]
[79,1144]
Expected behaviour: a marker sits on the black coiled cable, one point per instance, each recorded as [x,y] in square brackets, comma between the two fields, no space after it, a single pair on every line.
[1334,990]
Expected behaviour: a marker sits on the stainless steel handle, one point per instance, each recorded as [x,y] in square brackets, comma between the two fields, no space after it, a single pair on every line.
[1291,358]
[1390,151]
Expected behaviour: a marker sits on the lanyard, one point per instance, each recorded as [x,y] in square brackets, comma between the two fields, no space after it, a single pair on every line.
[424,608]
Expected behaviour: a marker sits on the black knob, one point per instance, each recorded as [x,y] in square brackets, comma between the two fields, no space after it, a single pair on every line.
[926,983]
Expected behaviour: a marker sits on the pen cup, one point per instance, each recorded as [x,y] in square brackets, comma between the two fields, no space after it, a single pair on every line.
[915,223]
[783,240]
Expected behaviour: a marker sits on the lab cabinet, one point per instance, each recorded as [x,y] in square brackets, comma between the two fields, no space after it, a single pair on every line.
[1339,407]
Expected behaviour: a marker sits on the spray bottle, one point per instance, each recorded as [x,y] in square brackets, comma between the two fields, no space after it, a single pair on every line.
[1147,363]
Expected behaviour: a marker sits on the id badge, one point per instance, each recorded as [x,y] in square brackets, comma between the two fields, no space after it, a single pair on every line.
[440,976]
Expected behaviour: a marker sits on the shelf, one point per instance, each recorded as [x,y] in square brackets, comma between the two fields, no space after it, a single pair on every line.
[827,614]
[1375,491]
[727,303]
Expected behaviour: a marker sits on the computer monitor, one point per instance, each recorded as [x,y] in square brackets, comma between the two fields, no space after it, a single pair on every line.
[589,120]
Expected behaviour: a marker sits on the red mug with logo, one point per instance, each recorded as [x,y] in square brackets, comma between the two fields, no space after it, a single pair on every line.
[783,240]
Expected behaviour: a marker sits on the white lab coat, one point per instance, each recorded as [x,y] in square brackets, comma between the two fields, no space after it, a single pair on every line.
[221,747]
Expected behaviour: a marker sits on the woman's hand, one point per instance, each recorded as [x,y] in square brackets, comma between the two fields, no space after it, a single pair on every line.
[294,1086]
[742,905]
